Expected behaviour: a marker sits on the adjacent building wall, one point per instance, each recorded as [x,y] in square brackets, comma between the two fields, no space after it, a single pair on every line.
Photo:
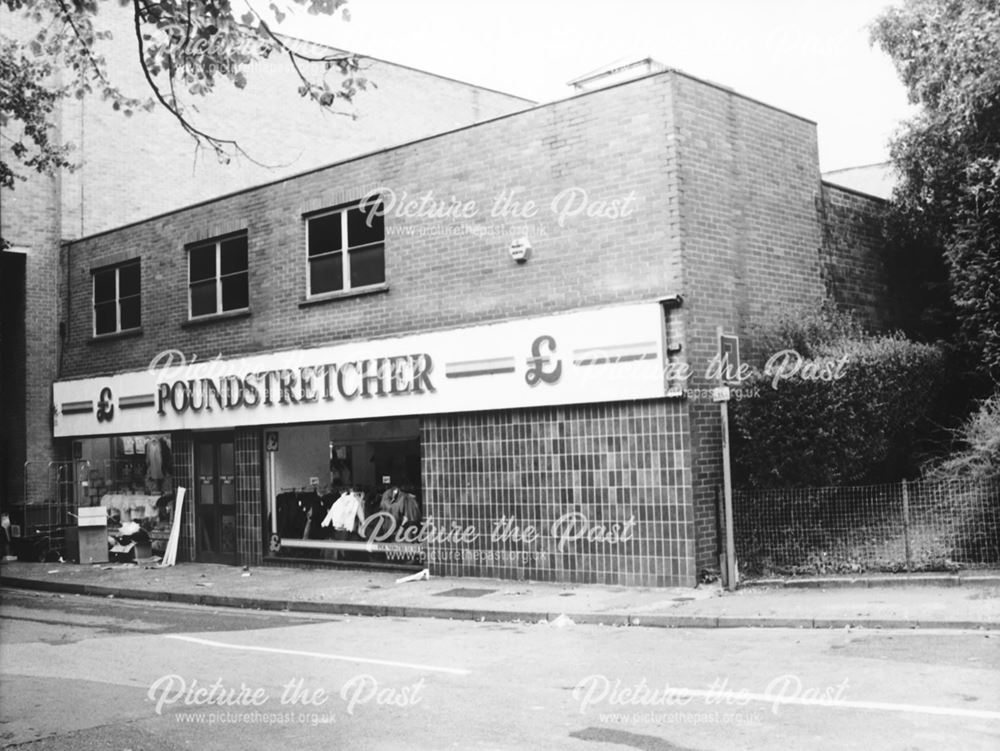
[139,166]
[853,268]
[31,342]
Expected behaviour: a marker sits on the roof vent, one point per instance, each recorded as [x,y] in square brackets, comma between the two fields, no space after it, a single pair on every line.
[619,71]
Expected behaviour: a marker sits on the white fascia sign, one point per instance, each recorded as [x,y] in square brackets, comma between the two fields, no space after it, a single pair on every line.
[586,356]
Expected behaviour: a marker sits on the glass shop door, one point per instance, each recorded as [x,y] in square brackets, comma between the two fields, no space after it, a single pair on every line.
[215,498]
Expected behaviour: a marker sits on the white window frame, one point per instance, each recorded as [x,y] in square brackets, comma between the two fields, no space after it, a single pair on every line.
[217,242]
[118,298]
[344,251]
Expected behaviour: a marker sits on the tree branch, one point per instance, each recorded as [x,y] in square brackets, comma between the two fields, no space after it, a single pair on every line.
[298,55]
[198,135]
[218,144]
[68,17]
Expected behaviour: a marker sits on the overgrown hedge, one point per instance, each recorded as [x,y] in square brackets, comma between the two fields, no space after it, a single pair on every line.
[855,420]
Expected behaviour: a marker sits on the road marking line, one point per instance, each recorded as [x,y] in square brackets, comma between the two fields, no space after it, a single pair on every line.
[984,714]
[321,655]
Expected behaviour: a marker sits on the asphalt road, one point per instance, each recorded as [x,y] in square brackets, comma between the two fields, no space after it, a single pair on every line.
[82,674]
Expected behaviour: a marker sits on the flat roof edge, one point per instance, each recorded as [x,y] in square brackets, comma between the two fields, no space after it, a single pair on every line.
[855,191]
[386,149]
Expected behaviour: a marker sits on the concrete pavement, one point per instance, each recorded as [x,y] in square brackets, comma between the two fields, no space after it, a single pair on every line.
[955,601]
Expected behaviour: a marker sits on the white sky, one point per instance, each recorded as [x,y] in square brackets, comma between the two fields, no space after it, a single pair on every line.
[811,57]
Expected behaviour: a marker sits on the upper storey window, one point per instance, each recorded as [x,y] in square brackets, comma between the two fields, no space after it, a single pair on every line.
[218,277]
[345,249]
[117,297]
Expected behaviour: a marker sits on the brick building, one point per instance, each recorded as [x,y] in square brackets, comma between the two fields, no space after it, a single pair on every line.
[480,331]
[150,166]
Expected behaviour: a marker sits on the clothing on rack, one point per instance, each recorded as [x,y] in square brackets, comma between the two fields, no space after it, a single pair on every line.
[159,460]
[403,506]
[346,512]
[292,512]
[154,459]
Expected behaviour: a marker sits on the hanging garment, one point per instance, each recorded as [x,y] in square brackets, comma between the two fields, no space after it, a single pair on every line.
[291,515]
[312,506]
[411,508]
[402,506]
[345,512]
[371,503]
[154,459]
[321,508]
[168,457]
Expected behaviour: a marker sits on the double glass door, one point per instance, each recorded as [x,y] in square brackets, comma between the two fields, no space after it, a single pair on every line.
[215,498]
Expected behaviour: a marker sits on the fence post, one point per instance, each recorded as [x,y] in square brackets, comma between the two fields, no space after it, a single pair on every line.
[906,526]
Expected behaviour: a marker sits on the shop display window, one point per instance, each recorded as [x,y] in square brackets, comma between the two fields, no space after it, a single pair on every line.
[132,478]
[346,492]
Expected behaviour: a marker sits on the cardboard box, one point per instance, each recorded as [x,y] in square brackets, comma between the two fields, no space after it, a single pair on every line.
[92,516]
[132,551]
[87,544]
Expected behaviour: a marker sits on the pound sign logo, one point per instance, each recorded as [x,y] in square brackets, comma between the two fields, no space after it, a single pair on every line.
[105,406]
[537,362]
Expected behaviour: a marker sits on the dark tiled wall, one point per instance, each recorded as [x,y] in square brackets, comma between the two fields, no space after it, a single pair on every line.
[608,463]
[182,449]
[249,504]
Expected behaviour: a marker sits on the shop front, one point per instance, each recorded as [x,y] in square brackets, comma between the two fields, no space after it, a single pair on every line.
[543,447]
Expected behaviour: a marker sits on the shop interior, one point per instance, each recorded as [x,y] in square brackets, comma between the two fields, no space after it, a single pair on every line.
[345,491]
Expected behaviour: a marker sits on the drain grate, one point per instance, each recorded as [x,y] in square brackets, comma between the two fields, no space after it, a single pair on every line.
[465,592]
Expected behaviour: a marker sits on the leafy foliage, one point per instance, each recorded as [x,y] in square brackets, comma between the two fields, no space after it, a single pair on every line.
[25,99]
[978,455]
[863,426]
[918,279]
[948,156]
[184,50]
[807,330]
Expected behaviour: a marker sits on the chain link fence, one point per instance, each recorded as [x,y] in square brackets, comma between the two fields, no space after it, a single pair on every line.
[906,526]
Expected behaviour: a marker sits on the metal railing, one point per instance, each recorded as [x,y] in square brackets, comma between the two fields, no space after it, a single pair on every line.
[43,520]
[905,526]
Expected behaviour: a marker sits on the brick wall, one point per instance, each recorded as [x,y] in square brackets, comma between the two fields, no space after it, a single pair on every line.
[854,273]
[605,488]
[748,179]
[610,144]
